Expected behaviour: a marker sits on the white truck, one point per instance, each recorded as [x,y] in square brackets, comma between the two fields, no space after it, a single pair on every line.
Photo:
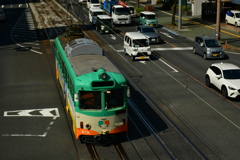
[93,4]
[119,12]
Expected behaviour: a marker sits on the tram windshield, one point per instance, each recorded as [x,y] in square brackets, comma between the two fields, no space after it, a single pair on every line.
[114,98]
[90,100]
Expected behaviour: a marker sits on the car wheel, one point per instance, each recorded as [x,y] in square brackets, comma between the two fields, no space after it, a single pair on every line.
[224,92]
[133,58]
[125,51]
[226,22]
[236,24]
[194,50]
[208,82]
[205,56]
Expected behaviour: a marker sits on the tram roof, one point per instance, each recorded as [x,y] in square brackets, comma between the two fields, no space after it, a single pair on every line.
[83,64]
[82,46]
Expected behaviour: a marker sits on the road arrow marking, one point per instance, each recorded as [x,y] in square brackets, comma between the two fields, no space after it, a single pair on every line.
[46,112]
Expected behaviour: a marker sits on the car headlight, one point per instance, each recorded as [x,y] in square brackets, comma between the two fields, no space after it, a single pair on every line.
[231,88]
[102,27]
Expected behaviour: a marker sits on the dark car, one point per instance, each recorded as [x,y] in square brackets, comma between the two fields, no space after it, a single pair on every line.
[150,32]
[2,15]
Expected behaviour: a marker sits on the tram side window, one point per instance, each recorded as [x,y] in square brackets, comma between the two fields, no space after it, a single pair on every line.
[71,87]
[114,98]
[90,100]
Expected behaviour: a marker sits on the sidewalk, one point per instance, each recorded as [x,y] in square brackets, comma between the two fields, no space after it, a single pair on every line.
[194,26]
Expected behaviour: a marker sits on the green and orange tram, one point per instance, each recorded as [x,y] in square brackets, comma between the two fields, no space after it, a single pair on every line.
[94,90]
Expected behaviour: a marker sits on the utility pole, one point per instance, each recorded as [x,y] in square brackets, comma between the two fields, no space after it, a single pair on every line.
[179,14]
[218,19]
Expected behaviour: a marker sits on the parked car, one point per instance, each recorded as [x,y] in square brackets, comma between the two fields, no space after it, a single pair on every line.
[208,47]
[148,18]
[150,32]
[226,77]
[2,15]
[233,17]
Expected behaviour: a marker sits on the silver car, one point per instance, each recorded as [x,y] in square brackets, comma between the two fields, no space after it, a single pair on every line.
[150,32]
[2,15]
[208,47]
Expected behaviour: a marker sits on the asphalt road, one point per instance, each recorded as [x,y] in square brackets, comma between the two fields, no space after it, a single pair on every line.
[33,122]
[176,79]
[173,79]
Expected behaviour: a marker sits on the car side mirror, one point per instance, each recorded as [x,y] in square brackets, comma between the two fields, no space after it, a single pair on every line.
[201,44]
[218,76]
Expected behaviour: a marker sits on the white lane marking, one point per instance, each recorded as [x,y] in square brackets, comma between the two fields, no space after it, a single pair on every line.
[174,70]
[143,62]
[170,31]
[120,50]
[170,49]
[46,112]
[32,135]
[19,5]
[113,37]
[166,34]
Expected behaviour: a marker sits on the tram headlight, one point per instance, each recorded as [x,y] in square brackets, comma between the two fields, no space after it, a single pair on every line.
[103,75]
[88,126]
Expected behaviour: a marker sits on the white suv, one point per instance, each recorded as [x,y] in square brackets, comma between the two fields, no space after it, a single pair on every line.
[226,77]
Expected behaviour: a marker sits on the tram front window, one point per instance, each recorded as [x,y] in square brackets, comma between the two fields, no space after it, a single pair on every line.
[114,98]
[90,100]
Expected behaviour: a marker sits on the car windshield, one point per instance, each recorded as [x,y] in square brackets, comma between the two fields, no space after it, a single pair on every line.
[106,22]
[114,98]
[94,1]
[231,74]
[140,43]
[237,15]
[144,30]
[212,43]
[122,11]
[150,16]
[90,100]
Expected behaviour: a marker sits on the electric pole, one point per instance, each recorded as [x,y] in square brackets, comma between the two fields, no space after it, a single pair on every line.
[218,19]
[179,14]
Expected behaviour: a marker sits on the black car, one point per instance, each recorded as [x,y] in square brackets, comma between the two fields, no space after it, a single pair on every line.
[150,32]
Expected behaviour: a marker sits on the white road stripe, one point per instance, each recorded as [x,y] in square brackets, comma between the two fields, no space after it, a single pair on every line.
[171,49]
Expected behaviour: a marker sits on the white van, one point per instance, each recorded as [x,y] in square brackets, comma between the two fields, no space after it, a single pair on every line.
[93,12]
[233,17]
[93,4]
[136,45]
